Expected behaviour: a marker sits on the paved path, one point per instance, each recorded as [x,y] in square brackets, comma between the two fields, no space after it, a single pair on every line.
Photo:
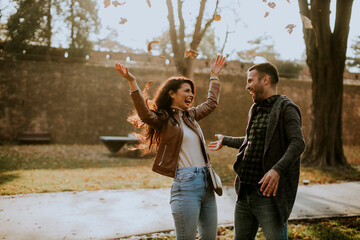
[111,214]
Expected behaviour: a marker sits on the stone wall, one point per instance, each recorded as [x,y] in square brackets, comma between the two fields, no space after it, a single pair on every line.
[77,103]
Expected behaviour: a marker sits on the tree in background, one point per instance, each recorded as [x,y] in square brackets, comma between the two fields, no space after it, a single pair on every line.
[326,55]
[110,43]
[207,48]
[263,48]
[355,61]
[183,65]
[30,25]
[82,18]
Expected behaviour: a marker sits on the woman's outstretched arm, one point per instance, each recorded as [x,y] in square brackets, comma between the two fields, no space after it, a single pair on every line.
[143,111]
[211,103]
[124,71]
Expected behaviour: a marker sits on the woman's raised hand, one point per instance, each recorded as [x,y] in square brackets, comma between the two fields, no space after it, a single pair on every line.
[124,71]
[216,66]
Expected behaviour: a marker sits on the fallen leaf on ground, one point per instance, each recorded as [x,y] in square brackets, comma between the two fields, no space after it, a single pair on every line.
[290,28]
[148,3]
[122,20]
[149,47]
[288,1]
[191,54]
[106,3]
[266,14]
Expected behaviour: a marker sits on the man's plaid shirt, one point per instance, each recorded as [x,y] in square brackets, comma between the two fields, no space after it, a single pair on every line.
[251,170]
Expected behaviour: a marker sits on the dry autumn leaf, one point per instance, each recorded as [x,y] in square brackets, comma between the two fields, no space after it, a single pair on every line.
[288,1]
[307,22]
[148,3]
[217,17]
[191,54]
[266,14]
[122,20]
[272,4]
[106,3]
[290,28]
[149,47]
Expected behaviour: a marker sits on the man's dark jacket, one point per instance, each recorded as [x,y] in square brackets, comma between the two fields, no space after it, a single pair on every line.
[284,143]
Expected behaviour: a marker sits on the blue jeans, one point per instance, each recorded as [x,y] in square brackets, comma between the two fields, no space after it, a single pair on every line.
[193,204]
[253,209]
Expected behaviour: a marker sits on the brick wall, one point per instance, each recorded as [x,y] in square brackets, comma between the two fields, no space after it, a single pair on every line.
[78,103]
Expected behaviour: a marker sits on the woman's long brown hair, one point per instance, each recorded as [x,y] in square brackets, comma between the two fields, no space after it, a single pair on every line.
[160,105]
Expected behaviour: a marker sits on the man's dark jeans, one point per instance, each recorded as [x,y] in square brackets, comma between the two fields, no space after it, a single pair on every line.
[253,209]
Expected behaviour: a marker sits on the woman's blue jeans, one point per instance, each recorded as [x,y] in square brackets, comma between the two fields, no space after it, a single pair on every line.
[253,209]
[193,204]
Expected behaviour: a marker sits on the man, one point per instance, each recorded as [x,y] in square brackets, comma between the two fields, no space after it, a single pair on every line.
[268,163]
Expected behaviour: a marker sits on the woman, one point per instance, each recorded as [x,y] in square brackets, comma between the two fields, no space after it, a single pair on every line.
[170,123]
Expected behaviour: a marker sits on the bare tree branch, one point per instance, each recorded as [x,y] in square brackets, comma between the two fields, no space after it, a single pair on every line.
[181,29]
[198,33]
[173,34]
[225,41]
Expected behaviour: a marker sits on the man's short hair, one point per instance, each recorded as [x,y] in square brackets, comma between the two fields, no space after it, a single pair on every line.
[266,69]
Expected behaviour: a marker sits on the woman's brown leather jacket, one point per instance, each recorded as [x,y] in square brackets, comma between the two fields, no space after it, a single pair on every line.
[171,136]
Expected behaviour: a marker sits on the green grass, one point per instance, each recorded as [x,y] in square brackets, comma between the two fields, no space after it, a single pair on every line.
[318,229]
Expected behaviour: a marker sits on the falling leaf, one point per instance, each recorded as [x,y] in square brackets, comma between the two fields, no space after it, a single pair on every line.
[290,28]
[307,22]
[106,3]
[272,4]
[148,3]
[122,20]
[149,47]
[116,3]
[266,14]
[191,54]
[217,17]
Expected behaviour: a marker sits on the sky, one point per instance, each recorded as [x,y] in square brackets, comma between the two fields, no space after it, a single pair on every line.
[146,23]
[247,23]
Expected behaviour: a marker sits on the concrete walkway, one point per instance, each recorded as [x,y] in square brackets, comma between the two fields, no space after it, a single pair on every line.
[113,214]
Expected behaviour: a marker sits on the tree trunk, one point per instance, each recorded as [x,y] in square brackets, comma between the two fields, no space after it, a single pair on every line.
[326,54]
[184,66]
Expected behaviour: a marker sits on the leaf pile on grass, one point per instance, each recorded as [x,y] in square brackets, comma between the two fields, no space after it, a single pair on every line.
[54,168]
[317,229]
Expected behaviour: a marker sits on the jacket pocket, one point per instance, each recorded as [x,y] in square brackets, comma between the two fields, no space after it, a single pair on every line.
[185,176]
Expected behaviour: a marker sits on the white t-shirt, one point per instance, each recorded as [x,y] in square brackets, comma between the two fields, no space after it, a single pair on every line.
[190,152]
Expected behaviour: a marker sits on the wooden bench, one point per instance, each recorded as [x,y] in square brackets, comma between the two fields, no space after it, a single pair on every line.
[33,137]
[115,143]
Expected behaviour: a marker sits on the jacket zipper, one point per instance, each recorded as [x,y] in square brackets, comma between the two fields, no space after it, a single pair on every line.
[162,157]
